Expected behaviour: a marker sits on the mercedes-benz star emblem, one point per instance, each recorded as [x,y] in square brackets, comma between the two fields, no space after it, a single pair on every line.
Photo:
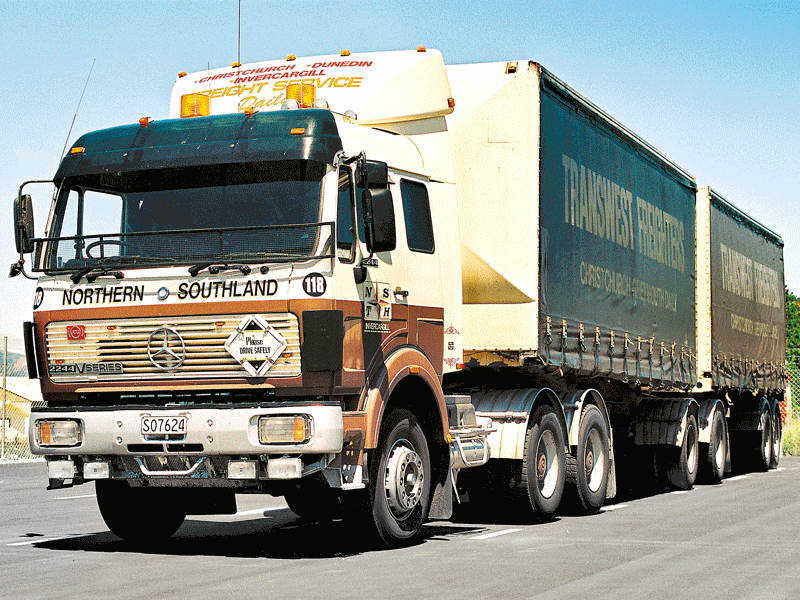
[166,349]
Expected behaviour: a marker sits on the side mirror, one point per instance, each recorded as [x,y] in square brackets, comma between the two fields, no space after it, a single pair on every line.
[379,220]
[373,175]
[23,224]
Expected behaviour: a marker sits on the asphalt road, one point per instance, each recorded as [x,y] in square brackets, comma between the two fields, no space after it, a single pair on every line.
[735,540]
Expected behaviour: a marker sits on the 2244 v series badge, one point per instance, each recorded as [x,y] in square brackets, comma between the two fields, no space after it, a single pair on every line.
[255,345]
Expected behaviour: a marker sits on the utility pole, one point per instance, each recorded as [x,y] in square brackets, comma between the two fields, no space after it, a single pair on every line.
[5,370]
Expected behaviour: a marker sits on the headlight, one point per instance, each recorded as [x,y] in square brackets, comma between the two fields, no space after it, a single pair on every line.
[284,429]
[58,433]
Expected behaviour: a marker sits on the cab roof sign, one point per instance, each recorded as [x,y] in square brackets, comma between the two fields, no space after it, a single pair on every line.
[379,87]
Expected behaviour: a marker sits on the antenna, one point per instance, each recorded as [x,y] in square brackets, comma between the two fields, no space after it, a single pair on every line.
[77,109]
[239,47]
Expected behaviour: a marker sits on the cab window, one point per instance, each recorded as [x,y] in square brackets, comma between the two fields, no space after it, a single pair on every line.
[417,213]
[345,230]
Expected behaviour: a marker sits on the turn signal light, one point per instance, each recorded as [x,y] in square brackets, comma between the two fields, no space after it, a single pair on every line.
[195,105]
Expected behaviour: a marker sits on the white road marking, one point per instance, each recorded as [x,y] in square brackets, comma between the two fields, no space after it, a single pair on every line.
[737,478]
[259,511]
[74,497]
[613,507]
[682,491]
[486,536]
[41,540]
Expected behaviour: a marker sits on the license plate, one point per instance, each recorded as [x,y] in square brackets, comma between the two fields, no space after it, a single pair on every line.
[164,428]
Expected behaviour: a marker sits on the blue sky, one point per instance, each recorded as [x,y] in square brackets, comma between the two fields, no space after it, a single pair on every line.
[713,85]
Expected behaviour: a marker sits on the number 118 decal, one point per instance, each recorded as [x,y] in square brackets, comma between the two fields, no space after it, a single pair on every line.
[314,284]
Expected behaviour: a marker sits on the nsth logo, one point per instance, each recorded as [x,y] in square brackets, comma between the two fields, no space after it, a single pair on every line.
[76,332]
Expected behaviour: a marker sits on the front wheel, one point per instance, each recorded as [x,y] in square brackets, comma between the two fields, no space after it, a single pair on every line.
[400,481]
[544,463]
[139,514]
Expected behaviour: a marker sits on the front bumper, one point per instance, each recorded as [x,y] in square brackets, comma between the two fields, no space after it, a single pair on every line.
[213,430]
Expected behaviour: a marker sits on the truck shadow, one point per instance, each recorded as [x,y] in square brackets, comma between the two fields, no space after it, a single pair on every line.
[280,535]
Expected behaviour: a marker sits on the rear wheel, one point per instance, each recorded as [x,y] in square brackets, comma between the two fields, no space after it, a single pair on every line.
[544,463]
[777,438]
[682,462]
[400,481]
[588,470]
[713,467]
[139,514]
[763,452]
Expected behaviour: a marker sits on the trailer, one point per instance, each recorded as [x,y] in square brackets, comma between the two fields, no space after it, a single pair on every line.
[380,286]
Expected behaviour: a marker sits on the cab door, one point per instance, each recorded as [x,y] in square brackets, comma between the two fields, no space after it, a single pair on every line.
[378,323]
[425,291]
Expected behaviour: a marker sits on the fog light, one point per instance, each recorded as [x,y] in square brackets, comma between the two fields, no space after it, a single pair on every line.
[284,429]
[96,470]
[284,468]
[58,433]
[242,469]
[60,469]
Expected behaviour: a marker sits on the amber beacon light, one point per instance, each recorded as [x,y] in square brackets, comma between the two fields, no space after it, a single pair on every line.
[303,93]
[195,105]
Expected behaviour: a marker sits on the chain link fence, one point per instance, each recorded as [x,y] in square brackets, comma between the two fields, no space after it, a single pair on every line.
[791,427]
[17,395]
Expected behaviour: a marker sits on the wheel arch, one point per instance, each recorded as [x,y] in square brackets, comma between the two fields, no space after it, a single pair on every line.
[704,421]
[405,379]
[573,402]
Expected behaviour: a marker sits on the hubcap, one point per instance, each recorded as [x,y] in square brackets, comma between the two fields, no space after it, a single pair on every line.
[595,460]
[546,464]
[405,477]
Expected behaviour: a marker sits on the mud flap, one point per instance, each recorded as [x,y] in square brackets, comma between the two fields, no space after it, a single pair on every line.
[442,502]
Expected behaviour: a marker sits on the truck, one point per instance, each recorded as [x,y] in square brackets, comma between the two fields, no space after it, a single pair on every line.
[382,287]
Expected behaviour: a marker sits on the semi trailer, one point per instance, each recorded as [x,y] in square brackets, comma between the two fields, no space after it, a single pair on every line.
[379,286]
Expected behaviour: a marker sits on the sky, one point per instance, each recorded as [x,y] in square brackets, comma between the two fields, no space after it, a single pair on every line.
[712,85]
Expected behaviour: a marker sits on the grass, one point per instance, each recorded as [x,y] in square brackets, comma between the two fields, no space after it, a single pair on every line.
[791,437]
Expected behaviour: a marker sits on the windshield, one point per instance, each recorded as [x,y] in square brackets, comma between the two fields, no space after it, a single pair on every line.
[245,212]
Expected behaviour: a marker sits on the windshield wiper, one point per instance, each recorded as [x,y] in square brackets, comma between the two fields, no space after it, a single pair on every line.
[93,273]
[214,268]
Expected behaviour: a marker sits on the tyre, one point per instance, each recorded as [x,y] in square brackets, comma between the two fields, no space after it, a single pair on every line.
[716,451]
[544,463]
[400,481]
[777,438]
[589,468]
[315,503]
[763,450]
[139,514]
[681,463]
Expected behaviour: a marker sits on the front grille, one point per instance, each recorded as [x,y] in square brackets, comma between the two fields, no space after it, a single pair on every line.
[117,350]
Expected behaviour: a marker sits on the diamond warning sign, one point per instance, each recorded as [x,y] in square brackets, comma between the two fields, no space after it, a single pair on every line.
[255,345]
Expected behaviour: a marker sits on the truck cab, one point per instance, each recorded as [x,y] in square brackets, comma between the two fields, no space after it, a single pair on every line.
[261,293]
